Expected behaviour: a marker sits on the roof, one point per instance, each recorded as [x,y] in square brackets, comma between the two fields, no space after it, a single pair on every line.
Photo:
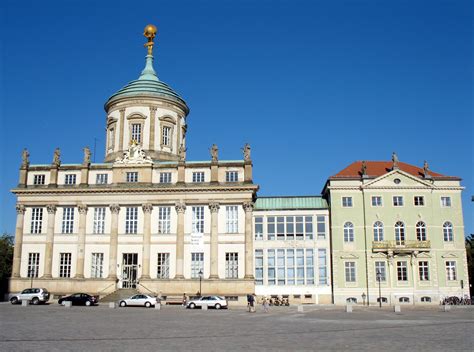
[290,203]
[378,168]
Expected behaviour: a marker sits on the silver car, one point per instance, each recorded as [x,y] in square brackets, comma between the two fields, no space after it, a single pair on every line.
[216,302]
[33,295]
[139,300]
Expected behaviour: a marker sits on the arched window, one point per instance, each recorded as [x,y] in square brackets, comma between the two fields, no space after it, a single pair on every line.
[420,231]
[382,299]
[351,300]
[426,299]
[400,233]
[404,300]
[448,232]
[348,232]
[378,231]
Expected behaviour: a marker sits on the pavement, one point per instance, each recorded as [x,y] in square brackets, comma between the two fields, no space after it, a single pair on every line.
[173,328]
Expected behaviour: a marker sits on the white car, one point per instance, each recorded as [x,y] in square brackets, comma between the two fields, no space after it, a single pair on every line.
[216,302]
[33,295]
[139,300]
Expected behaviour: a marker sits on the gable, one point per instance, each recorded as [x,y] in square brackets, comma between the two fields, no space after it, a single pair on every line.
[405,180]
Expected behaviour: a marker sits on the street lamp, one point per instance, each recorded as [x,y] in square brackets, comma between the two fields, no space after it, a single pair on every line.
[379,278]
[200,279]
[31,276]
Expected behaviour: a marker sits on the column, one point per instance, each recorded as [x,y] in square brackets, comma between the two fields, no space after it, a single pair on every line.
[114,209]
[122,122]
[20,219]
[48,254]
[248,207]
[147,209]
[214,207]
[151,145]
[180,209]
[81,241]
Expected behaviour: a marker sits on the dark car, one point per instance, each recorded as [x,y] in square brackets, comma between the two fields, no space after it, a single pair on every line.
[80,299]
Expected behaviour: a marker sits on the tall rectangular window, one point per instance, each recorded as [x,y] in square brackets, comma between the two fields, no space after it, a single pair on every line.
[165,177]
[321,227]
[322,261]
[271,227]
[300,266]
[232,219]
[402,274]
[258,228]
[376,201]
[131,220]
[164,219]
[290,227]
[231,176]
[33,264]
[280,227]
[451,270]
[70,179]
[97,265]
[198,219]
[197,264]
[137,132]
[132,177]
[259,267]
[39,179]
[111,138]
[280,266]
[445,202]
[99,220]
[166,136]
[350,270]
[36,220]
[163,266]
[347,202]
[65,265]
[101,179]
[232,265]
[290,267]
[380,268]
[271,267]
[419,201]
[68,220]
[308,227]
[398,201]
[423,271]
[198,176]
[309,267]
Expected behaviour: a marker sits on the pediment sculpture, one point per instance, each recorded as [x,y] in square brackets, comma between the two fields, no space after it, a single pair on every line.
[134,155]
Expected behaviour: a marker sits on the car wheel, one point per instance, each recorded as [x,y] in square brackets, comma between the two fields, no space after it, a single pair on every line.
[35,301]
[147,304]
[217,306]
[123,304]
[14,300]
[88,303]
[192,306]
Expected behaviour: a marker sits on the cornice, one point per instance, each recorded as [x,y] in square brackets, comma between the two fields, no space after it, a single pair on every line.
[360,188]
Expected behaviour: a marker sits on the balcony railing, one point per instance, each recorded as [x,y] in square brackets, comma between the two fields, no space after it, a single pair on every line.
[400,245]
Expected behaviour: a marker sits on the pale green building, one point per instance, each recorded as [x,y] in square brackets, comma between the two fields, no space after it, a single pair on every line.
[400,221]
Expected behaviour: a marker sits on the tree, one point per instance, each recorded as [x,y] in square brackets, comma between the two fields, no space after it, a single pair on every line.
[470,261]
[6,261]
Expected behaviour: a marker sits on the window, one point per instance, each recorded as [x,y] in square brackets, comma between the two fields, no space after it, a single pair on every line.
[402,274]
[164,219]
[111,138]
[271,227]
[378,231]
[271,266]
[281,267]
[137,132]
[309,267]
[33,264]
[70,179]
[39,179]
[300,266]
[382,299]
[448,232]
[322,261]
[231,265]
[398,201]
[131,220]
[36,220]
[445,202]
[231,176]
[258,228]
[380,271]
[198,176]
[426,299]
[165,177]
[348,232]
[259,267]
[163,266]
[350,271]
[101,179]
[232,219]
[346,202]
[351,300]
[423,271]
[321,227]
[404,300]
[198,220]
[451,270]
[290,266]
[97,265]
[420,231]
[68,220]
[65,265]
[400,233]
[197,264]
[132,177]
[99,220]
[419,201]
[166,136]
[376,201]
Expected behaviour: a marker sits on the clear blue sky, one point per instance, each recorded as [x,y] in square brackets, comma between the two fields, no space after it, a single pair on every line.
[312,85]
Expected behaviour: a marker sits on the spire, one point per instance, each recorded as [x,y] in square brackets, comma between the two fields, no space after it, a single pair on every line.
[148,72]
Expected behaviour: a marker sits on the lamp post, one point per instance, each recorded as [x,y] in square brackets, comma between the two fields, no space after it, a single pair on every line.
[31,276]
[379,278]
[200,280]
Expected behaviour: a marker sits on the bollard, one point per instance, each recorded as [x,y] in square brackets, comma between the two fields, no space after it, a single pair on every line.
[348,308]
[112,305]
[25,303]
[158,306]
[300,309]
[67,304]
[204,307]
[397,309]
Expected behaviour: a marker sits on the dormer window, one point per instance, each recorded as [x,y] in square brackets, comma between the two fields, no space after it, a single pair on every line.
[70,179]
[136,132]
[132,177]
[38,180]
[166,136]
[198,176]
[231,176]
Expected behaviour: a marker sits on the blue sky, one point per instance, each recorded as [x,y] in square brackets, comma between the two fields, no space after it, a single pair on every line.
[311,85]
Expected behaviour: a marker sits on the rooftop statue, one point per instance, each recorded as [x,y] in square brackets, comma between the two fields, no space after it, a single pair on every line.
[214,152]
[134,155]
[25,159]
[246,150]
[395,160]
[87,156]
[57,157]
[182,153]
[364,168]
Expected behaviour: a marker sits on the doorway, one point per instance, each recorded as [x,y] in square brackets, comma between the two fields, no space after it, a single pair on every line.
[129,270]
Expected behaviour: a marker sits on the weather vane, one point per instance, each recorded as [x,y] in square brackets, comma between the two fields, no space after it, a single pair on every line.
[150,33]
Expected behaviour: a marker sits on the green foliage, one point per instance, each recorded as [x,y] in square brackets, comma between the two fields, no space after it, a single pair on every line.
[6,256]
[470,259]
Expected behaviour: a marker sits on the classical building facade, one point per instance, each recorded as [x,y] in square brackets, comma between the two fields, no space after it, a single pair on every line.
[398,227]
[146,218]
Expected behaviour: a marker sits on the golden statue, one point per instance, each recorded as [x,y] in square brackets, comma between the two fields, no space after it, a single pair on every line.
[150,33]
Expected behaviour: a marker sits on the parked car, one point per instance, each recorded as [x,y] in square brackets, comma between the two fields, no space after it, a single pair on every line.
[80,299]
[216,302]
[140,300]
[34,295]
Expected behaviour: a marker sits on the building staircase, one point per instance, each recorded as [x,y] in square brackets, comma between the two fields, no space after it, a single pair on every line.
[119,294]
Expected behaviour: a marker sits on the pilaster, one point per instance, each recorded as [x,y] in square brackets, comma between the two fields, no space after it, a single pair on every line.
[122,123]
[214,207]
[20,210]
[248,208]
[147,209]
[81,241]
[48,255]
[151,143]
[180,209]
[114,209]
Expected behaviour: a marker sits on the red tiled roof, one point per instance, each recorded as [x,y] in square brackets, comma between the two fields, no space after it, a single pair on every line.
[379,168]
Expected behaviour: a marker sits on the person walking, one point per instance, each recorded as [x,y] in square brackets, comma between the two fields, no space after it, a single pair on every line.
[252,303]
[185,300]
[265,305]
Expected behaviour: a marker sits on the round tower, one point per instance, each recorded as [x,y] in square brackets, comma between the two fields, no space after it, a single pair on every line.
[147,112]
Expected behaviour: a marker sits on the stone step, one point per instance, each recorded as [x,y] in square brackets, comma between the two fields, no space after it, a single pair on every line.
[119,295]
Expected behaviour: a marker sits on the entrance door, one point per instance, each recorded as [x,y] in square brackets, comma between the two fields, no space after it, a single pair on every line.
[129,270]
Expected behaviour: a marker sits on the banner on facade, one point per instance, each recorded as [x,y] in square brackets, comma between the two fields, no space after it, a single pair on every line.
[197,241]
